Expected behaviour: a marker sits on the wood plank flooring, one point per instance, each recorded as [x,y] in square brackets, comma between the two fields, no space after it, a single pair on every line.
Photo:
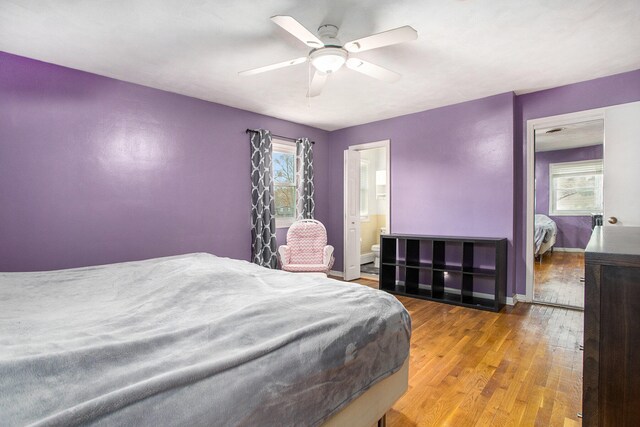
[557,279]
[520,367]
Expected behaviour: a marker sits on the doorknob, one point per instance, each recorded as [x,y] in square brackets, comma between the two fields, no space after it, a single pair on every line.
[613,220]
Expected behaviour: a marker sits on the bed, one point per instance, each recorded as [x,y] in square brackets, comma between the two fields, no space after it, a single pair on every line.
[197,340]
[545,234]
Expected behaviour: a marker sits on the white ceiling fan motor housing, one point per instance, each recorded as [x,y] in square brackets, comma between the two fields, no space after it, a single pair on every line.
[329,35]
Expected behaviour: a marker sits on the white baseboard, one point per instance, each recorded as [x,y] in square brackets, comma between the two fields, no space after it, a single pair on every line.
[520,298]
[362,275]
[510,300]
[455,291]
[367,258]
[568,250]
[336,273]
[516,298]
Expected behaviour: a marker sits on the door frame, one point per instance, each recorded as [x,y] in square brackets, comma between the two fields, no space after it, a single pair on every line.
[386,144]
[532,125]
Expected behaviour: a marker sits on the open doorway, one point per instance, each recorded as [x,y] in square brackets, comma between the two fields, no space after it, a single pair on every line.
[373,207]
[366,208]
[568,202]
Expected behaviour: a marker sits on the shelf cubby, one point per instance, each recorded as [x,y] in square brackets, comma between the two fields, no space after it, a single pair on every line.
[467,271]
[388,253]
[412,252]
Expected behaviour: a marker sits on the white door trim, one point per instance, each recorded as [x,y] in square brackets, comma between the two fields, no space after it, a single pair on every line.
[386,144]
[551,121]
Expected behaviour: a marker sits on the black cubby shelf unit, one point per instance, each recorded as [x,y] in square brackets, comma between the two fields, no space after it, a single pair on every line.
[466,271]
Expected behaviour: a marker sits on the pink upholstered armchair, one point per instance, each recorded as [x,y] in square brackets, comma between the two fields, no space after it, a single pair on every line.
[306,249]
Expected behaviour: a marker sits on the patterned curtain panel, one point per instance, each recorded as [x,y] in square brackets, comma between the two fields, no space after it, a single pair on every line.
[305,205]
[263,220]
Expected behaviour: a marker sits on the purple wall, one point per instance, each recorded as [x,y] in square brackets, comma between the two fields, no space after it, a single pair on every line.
[95,170]
[438,189]
[602,92]
[573,231]
[451,171]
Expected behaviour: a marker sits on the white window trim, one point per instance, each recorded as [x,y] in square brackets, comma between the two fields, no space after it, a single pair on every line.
[286,147]
[597,163]
[284,222]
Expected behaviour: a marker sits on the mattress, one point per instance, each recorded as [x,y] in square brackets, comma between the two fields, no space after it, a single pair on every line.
[191,340]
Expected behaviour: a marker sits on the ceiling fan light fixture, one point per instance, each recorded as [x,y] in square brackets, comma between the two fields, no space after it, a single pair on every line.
[329,59]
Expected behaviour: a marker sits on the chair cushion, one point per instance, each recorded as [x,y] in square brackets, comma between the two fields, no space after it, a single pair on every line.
[321,268]
[306,240]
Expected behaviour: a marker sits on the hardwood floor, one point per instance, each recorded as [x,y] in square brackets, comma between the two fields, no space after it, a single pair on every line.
[557,279]
[520,367]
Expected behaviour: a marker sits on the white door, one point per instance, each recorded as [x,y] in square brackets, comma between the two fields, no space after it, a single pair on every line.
[622,165]
[351,215]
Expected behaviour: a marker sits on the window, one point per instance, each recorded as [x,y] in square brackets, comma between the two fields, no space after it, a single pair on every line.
[284,182]
[575,188]
[364,189]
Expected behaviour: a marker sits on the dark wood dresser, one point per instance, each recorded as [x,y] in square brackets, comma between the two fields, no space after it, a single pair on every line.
[611,364]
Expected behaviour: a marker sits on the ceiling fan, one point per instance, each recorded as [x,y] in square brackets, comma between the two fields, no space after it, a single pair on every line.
[328,54]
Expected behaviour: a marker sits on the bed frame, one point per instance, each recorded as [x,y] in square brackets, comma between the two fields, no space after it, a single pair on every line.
[546,246]
[370,408]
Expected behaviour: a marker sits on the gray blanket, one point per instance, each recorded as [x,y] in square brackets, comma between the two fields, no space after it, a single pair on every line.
[545,228]
[190,340]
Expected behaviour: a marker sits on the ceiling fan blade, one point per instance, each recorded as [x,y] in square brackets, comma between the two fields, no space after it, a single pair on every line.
[297,30]
[372,70]
[386,38]
[317,83]
[259,70]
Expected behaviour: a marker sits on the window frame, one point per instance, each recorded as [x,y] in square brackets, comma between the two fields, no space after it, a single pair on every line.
[282,146]
[555,170]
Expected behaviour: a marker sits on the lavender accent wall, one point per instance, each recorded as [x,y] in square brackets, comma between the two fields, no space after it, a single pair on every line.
[431,146]
[601,92]
[451,171]
[95,170]
[573,231]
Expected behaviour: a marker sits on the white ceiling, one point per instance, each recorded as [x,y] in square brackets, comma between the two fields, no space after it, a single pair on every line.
[465,50]
[575,135]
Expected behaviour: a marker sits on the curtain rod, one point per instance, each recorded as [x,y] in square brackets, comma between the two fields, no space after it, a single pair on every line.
[276,136]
